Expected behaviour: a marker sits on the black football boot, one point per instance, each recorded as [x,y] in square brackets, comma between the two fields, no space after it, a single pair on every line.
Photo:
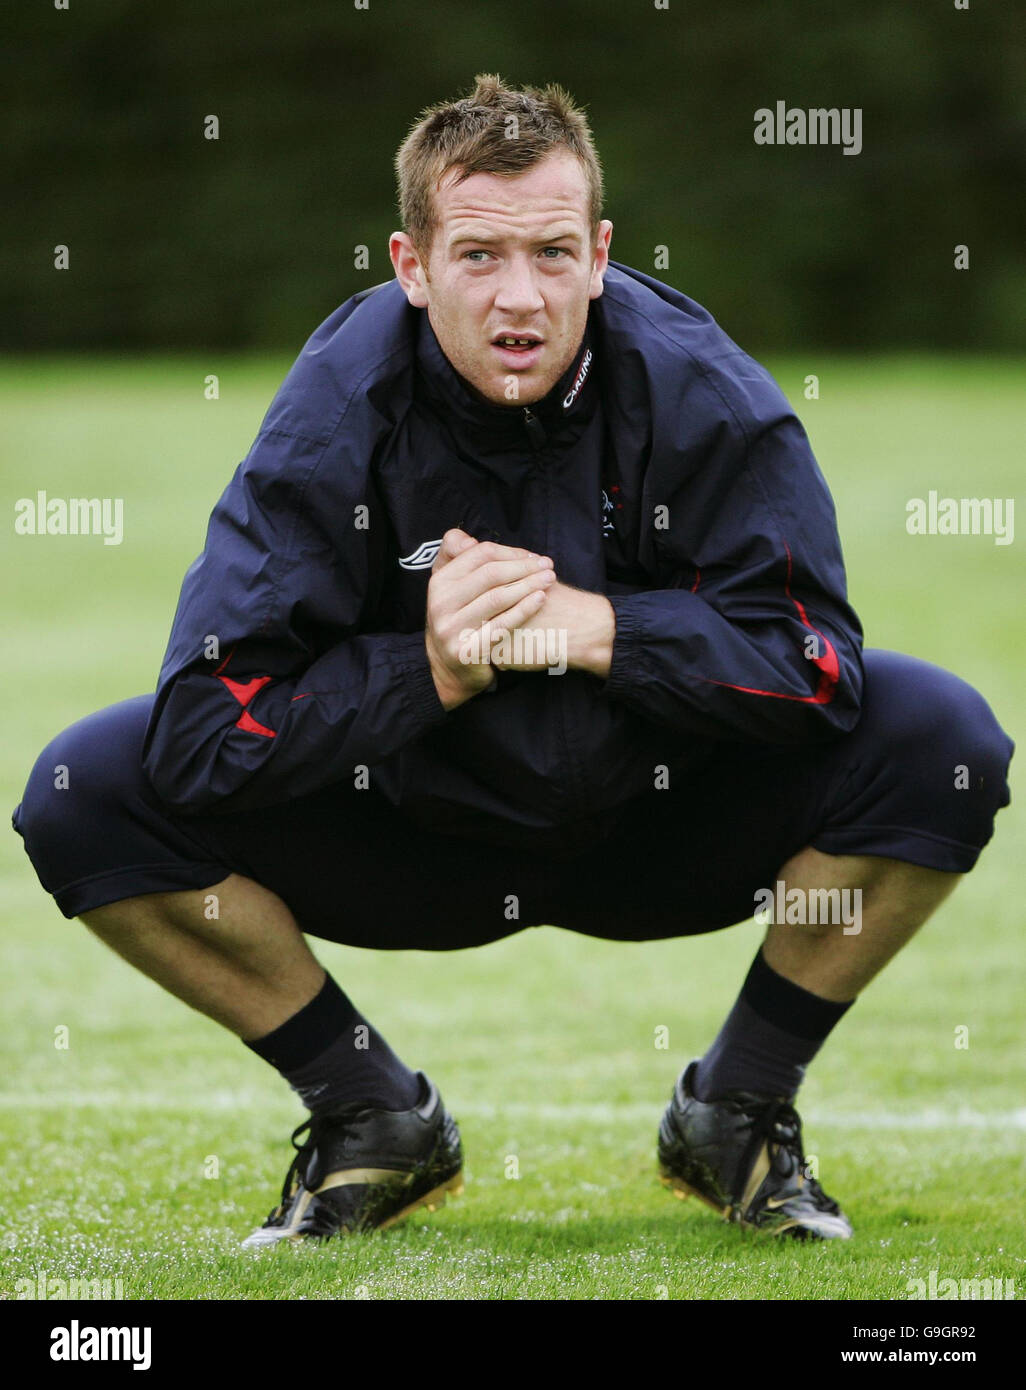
[361,1169]
[742,1155]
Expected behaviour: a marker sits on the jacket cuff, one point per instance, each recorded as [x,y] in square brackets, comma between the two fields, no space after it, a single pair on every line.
[419,683]
[625,669]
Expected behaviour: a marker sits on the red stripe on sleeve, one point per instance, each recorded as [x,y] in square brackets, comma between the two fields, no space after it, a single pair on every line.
[249,724]
[827,662]
[244,693]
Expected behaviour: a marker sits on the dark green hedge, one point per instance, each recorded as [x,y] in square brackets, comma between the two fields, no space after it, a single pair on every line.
[178,242]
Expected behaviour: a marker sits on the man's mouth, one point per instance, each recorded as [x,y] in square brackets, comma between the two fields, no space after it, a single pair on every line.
[526,345]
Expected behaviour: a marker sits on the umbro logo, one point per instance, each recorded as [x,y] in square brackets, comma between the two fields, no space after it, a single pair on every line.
[423,557]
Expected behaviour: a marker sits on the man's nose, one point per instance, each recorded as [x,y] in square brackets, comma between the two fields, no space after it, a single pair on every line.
[518,292]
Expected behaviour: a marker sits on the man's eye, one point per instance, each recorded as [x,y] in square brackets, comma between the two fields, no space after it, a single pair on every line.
[559,250]
[474,253]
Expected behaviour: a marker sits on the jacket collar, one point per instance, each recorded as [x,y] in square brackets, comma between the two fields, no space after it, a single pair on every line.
[554,421]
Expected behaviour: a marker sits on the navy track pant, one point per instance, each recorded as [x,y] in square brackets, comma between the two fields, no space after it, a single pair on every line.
[681,860]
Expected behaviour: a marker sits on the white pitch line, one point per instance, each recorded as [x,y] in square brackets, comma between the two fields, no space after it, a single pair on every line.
[931,1119]
[604,1113]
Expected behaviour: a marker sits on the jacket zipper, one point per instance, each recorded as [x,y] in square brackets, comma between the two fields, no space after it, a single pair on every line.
[535,429]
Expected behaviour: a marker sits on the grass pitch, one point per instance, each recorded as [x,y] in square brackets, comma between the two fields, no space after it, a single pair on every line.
[149,1146]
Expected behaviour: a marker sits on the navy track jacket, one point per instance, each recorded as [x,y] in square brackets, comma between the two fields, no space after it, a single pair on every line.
[665,469]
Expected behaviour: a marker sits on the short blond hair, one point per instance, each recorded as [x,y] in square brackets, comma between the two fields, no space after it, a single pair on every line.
[473,135]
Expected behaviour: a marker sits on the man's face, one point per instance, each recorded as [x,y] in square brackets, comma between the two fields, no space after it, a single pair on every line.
[511,257]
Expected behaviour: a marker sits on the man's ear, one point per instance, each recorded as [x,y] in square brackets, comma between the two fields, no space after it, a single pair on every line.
[409,269]
[601,261]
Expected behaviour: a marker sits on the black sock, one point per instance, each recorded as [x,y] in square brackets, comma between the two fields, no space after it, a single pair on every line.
[330,1055]
[770,1036]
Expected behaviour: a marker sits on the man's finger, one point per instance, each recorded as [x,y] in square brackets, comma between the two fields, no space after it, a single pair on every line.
[504,624]
[481,553]
[463,589]
[454,542]
[497,598]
